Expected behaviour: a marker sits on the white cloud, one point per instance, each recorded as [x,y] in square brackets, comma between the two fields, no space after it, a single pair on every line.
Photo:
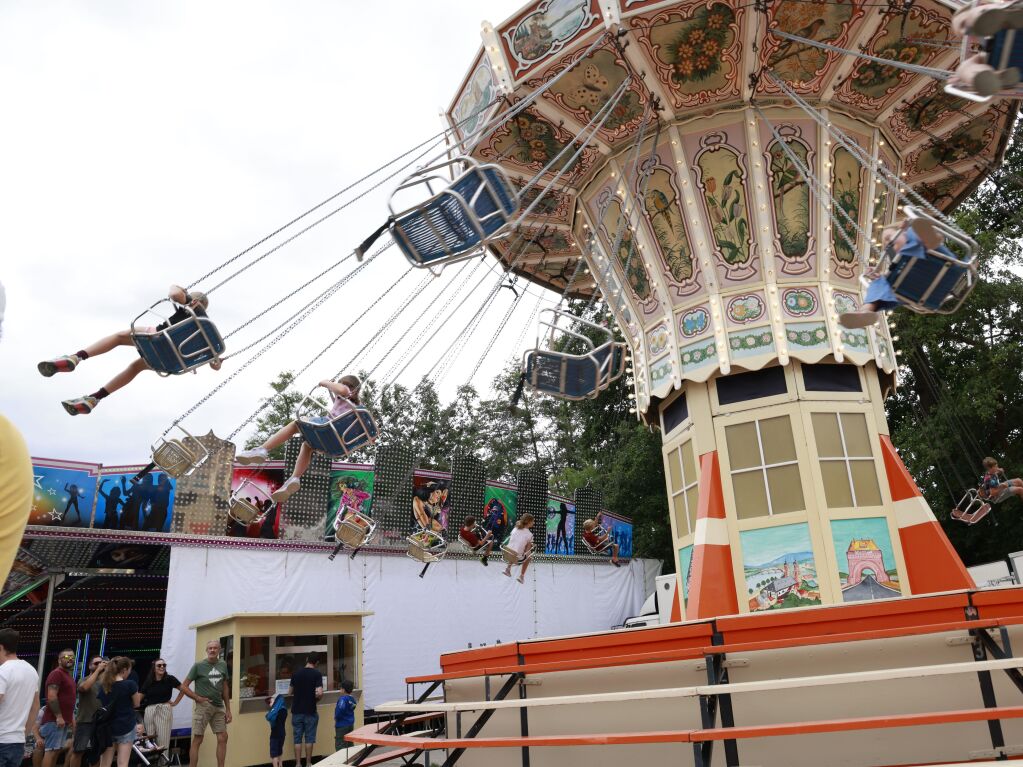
[145,142]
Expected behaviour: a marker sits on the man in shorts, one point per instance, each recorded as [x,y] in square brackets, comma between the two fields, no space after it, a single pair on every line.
[212,699]
[87,705]
[60,707]
[306,690]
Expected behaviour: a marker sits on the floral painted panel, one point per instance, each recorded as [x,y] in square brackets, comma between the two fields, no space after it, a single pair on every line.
[532,143]
[803,65]
[698,355]
[965,142]
[664,218]
[694,322]
[847,179]
[660,372]
[546,31]
[800,302]
[807,336]
[553,205]
[657,339]
[722,181]
[745,308]
[873,86]
[474,104]
[617,228]
[750,343]
[588,85]
[696,51]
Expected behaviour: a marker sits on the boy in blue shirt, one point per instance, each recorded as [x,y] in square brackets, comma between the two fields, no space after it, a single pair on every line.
[277,716]
[344,716]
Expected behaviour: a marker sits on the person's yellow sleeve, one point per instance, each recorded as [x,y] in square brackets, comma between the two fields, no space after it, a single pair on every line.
[15,493]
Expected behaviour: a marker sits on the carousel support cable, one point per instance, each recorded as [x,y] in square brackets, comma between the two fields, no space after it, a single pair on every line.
[322,299]
[270,400]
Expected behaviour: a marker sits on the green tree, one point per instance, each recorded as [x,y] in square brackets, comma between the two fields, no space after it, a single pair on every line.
[278,410]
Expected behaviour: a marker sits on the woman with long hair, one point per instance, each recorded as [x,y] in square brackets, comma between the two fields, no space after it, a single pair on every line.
[120,696]
[157,690]
[345,394]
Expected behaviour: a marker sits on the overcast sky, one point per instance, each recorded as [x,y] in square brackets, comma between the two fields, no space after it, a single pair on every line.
[145,142]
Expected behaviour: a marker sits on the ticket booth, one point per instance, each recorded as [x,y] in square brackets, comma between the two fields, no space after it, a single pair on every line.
[262,651]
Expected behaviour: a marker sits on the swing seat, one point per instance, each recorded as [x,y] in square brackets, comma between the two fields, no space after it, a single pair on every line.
[574,376]
[426,547]
[601,548]
[244,506]
[971,508]
[480,534]
[243,511]
[512,557]
[182,347]
[570,364]
[1005,50]
[337,437]
[933,281]
[457,220]
[355,530]
[179,456]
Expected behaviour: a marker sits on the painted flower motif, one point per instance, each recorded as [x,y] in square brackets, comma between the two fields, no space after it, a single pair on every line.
[702,62]
[696,35]
[908,54]
[685,51]
[710,48]
[684,68]
[716,21]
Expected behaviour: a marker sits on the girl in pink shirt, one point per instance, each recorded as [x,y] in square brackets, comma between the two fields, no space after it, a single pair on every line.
[346,395]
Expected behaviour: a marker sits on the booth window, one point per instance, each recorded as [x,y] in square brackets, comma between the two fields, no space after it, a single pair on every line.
[269,660]
[843,378]
[847,460]
[764,468]
[685,491]
[675,413]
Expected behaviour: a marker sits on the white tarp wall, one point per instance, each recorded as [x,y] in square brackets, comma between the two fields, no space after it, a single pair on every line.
[414,620]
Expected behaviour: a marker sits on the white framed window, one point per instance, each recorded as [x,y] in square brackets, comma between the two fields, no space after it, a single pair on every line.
[848,470]
[764,467]
[684,477]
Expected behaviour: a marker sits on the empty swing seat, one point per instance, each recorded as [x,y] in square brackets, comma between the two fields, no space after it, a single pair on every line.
[244,507]
[182,347]
[458,219]
[1005,49]
[340,436]
[574,376]
[178,457]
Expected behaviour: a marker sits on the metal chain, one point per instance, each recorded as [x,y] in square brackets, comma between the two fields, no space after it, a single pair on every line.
[270,400]
[297,290]
[273,342]
[937,74]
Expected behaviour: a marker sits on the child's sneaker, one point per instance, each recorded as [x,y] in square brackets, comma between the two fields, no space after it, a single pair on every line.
[858,319]
[256,455]
[80,406]
[64,364]
[285,491]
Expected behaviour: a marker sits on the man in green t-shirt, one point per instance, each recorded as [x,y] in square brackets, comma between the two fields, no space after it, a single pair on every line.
[212,699]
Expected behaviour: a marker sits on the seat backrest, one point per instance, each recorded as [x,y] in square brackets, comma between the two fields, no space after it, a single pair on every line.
[174,457]
[243,511]
[181,347]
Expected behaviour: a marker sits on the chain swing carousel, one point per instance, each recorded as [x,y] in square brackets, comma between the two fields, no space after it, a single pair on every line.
[743,176]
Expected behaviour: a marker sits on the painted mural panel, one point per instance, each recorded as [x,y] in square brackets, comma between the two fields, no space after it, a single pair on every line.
[591,83]
[695,50]
[803,65]
[616,227]
[866,559]
[499,510]
[63,493]
[790,198]
[256,484]
[901,37]
[546,31]
[779,567]
[431,502]
[560,527]
[924,113]
[532,143]
[965,142]
[126,505]
[474,104]
[720,175]
[685,569]
[620,531]
[847,177]
[661,203]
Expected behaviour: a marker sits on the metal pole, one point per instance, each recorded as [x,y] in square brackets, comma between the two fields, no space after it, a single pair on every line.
[50,588]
